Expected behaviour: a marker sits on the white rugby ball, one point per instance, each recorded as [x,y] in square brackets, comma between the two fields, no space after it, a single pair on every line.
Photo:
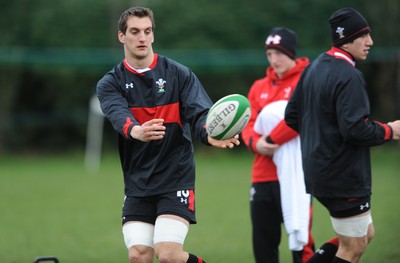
[228,117]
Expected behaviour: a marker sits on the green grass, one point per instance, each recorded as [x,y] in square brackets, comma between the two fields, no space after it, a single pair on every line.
[51,206]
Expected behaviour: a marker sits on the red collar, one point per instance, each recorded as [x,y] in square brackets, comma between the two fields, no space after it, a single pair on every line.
[341,54]
[133,70]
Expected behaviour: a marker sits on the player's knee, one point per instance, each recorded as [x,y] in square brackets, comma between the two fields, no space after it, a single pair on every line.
[134,255]
[167,256]
[360,247]
[352,247]
[140,254]
[167,252]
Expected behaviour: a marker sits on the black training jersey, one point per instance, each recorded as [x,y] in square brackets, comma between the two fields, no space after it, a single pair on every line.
[167,90]
[330,110]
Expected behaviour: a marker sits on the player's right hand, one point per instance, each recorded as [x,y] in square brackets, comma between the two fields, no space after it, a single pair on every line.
[149,131]
[228,143]
[265,148]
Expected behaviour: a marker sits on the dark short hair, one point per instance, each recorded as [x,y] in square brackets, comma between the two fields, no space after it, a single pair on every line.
[135,11]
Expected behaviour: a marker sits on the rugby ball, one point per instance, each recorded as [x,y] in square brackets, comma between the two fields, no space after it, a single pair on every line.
[228,117]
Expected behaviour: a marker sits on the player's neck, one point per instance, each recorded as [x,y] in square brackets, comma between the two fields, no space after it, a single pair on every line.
[140,62]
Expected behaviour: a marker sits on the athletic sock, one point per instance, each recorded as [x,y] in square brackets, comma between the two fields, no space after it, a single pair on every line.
[194,259]
[326,253]
[339,260]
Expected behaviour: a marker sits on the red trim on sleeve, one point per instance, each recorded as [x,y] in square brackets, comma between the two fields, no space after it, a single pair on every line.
[127,124]
[282,133]
[170,113]
[388,131]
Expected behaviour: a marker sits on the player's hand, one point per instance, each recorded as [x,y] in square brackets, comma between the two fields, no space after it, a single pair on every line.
[395,125]
[149,131]
[265,148]
[228,143]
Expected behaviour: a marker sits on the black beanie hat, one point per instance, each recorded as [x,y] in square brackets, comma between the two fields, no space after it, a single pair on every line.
[284,40]
[346,25]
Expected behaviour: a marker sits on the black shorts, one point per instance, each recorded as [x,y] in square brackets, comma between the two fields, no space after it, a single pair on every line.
[346,207]
[147,209]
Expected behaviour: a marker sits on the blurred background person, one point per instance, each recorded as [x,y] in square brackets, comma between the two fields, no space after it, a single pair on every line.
[265,194]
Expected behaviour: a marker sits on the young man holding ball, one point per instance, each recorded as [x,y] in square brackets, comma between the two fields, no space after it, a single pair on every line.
[155,103]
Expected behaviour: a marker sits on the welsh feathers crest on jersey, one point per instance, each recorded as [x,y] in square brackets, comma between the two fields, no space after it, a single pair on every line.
[161,85]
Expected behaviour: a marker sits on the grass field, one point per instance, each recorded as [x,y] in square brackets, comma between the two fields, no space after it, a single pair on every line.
[51,206]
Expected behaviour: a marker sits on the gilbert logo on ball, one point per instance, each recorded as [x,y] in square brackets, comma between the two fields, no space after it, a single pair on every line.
[228,117]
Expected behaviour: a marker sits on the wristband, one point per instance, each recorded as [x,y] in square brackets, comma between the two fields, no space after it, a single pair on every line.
[269,140]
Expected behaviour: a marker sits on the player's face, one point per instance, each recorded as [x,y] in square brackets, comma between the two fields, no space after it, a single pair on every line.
[138,38]
[359,48]
[279,61]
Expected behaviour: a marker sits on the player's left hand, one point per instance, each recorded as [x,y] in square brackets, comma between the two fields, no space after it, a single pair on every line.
[395,125]
[228,143]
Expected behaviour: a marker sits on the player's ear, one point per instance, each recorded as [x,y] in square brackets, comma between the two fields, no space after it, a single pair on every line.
[152,39]
[121,37]
[345,47]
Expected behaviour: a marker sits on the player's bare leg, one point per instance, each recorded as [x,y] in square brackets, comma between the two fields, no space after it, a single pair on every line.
[169,235]
[141,254]
[351,248]
[170,252]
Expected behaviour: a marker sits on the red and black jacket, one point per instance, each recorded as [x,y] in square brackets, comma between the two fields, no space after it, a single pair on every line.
[170,91]
[330,109]
[264,91]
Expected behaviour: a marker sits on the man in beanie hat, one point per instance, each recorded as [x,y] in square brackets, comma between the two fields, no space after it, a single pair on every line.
[330,109]
[347,25]
[284,40]
[265,202]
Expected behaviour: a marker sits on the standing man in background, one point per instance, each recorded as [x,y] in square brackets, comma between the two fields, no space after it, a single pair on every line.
[265,195]
[330,110]
[155,103]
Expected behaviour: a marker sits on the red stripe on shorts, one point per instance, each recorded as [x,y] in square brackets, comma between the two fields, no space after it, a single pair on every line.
[191,200]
